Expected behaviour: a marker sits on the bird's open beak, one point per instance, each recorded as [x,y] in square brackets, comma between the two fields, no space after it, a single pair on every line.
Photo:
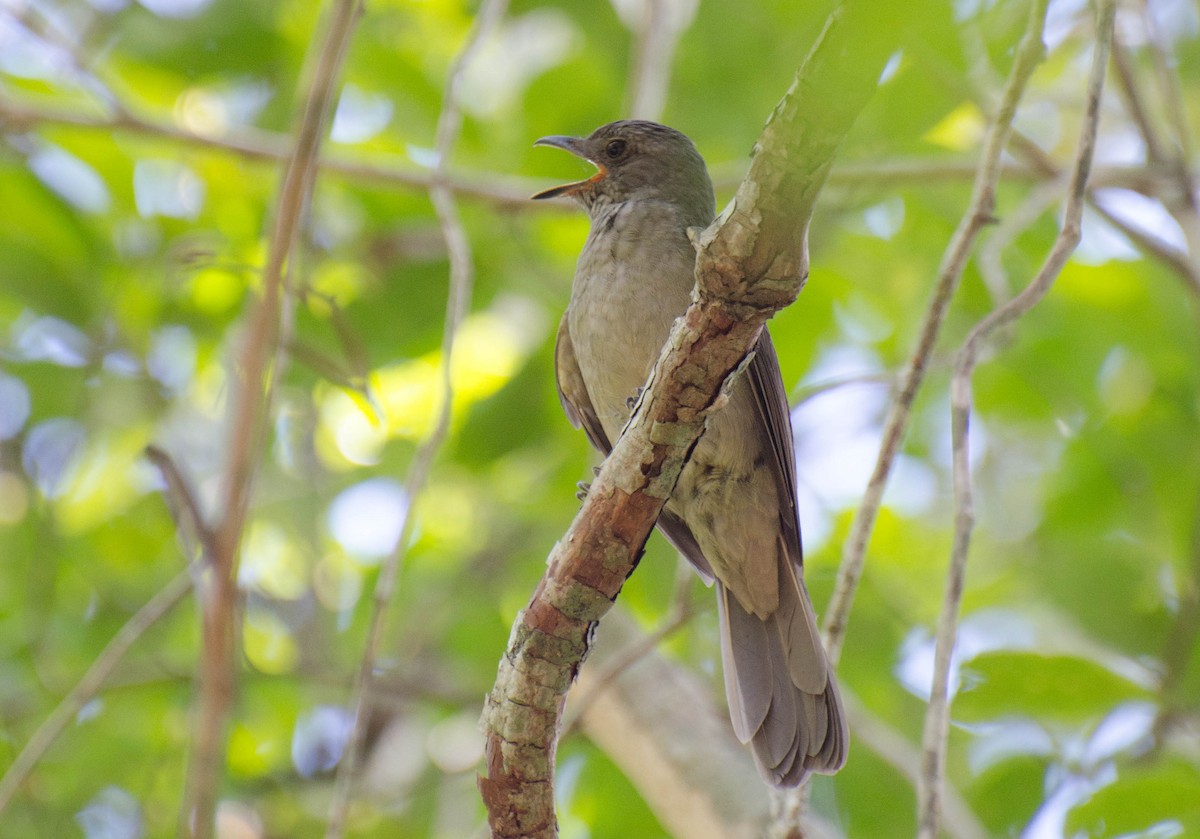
[575,146]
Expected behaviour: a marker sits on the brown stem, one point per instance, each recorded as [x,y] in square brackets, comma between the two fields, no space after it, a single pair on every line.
[248,418]
[457,301]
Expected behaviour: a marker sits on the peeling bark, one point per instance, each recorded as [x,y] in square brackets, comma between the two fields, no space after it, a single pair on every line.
[751,262]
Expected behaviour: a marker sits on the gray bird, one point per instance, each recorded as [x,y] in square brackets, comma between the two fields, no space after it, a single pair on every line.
[733,512]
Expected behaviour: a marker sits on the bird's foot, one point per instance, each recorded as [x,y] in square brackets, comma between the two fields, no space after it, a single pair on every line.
[583,487]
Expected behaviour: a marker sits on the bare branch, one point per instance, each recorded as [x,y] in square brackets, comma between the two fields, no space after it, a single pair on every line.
[195,534]
[67,45]
[937,719]
[991,252]
[249,406]
[979,213]
[904,757]
[257,145]
[658,31]
[809,392]
[457,302]
[1182,204]
[512,192]
[1178,261]
[93,680]
[1134,99]
[1165,66]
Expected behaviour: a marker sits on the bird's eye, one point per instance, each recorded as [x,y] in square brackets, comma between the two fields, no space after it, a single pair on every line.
[615,149]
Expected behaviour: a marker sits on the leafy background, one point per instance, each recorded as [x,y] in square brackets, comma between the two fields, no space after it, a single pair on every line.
[138,170]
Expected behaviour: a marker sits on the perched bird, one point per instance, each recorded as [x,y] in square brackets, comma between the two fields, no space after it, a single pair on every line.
[733,512]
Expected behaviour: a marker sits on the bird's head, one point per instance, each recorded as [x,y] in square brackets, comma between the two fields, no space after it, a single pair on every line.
[638,160]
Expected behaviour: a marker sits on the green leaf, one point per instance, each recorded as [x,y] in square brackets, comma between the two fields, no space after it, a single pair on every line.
[1140,798]
[1061,688]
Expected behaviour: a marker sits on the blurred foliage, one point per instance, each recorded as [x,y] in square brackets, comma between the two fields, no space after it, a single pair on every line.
[129,253]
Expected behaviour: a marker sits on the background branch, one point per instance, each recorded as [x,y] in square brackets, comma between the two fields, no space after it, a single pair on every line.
[458,300]
[512,192]
[979,213]
[659,724]
[249,409]
[937,719]
[657,29]
[154,610]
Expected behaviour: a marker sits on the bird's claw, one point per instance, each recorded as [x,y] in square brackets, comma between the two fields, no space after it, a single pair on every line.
[583,487]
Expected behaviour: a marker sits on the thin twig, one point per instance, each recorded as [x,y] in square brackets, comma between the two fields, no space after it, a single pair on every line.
[919,171]
[937,719]
[1132,96]
[979,213]
[195,534]
[457,302]
[894,749]
[259,145]
[658,31]
[806,393]
[93,680]
[250,406]
[1172,257]
[1182,204]
[68,44]
[990,260]
[1166,72]
[181,502]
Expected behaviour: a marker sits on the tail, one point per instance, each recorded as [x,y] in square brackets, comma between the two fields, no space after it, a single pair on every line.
[783,698]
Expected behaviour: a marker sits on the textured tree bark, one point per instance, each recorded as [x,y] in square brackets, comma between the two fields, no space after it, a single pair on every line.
[751,262]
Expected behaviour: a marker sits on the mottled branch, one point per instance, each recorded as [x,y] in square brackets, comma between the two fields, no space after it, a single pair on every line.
[751,262]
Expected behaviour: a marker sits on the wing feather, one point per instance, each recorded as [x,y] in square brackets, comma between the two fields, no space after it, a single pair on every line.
[577,405]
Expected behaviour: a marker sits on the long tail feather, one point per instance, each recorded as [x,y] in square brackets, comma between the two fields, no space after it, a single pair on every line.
[783,698]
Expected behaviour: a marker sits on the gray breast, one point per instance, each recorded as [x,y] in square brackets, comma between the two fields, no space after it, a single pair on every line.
[633,279]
